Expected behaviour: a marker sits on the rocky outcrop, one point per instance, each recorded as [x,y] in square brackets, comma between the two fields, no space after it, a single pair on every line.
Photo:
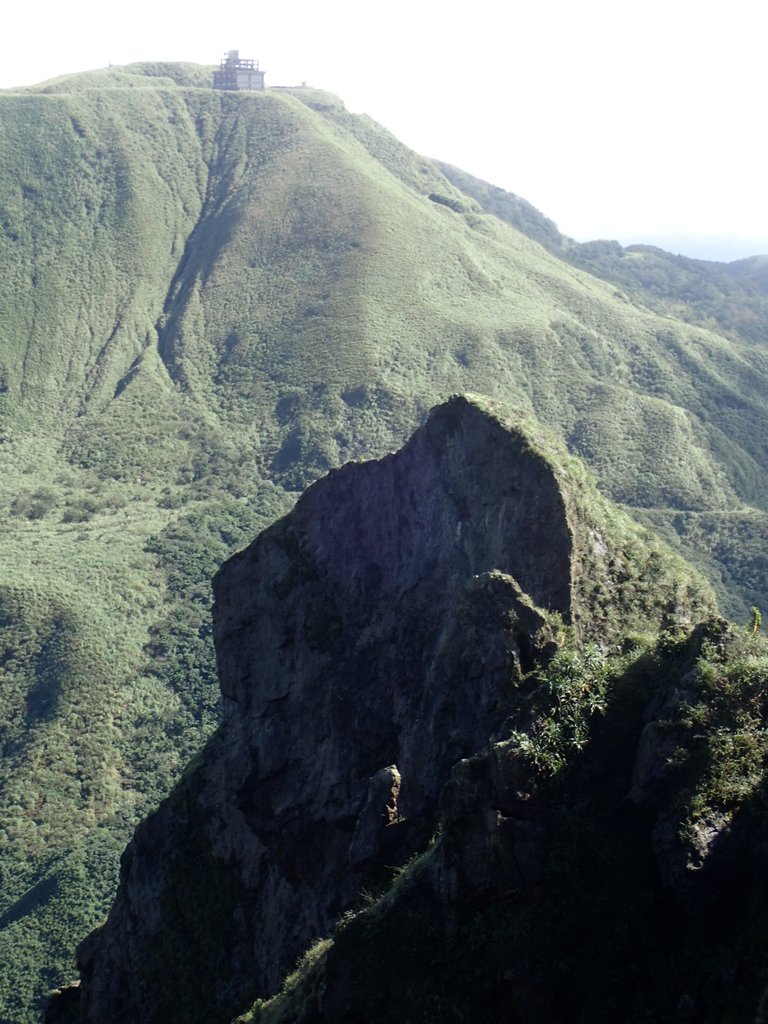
[627,887]
[366,644]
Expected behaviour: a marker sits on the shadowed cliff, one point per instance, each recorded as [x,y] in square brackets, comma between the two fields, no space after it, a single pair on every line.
[366,644]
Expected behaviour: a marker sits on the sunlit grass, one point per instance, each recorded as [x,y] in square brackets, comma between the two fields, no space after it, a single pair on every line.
[206,301]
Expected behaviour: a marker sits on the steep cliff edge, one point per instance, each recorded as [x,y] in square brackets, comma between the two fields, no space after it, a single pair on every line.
[576,897]
[367,644]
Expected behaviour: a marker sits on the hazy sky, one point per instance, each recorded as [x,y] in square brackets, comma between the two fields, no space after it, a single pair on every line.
[640,122]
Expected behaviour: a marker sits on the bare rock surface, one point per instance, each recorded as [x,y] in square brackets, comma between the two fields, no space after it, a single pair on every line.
[366,644]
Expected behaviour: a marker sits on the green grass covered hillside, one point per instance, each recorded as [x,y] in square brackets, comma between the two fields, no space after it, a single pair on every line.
[207,300]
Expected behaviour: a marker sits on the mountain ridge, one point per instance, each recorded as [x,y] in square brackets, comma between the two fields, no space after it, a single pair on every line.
[206,302]
[730,298]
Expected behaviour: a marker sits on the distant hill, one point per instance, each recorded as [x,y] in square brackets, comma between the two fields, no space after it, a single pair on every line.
[731,298]
[208,300]
[754,268]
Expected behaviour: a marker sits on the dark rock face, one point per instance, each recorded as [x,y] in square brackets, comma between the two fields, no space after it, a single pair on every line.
[366,644]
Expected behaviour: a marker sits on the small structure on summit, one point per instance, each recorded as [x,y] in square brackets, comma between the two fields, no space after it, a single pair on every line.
[238,75]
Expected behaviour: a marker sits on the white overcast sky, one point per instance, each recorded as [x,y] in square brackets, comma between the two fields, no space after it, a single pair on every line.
[643,122]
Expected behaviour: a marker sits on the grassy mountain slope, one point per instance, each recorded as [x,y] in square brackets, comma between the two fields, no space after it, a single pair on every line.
[729,298]
[206,300]
[723,296]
